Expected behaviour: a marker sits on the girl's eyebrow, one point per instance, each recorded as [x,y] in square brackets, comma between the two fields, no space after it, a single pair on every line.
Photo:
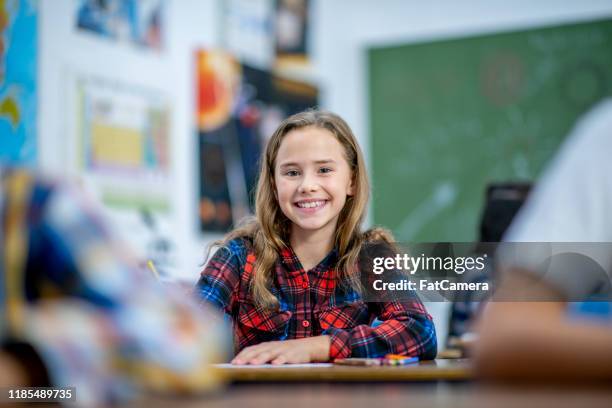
[323,161]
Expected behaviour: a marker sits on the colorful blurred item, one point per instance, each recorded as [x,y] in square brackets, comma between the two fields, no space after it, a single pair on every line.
[18,96]
[218,82]
[76,311]
[136,21]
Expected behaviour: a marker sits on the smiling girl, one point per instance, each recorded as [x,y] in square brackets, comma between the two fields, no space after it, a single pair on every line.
[289,278]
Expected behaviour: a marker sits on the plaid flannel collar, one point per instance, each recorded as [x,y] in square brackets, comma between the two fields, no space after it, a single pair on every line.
[294,267]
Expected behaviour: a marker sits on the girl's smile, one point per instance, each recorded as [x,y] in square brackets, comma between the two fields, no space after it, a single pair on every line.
[311,206]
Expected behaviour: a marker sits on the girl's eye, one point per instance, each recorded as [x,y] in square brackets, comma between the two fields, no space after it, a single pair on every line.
[325,170]
[291,173]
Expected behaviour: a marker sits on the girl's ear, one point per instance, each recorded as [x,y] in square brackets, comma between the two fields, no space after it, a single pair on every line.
[351,188]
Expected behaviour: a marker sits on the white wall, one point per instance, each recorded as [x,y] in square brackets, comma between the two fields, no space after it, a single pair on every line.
[342,29]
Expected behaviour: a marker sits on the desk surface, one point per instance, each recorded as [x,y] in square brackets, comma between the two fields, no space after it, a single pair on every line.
[413,395]
[448,370]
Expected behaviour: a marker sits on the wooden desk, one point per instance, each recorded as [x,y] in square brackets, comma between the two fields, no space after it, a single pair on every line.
[437,370]
[409,395]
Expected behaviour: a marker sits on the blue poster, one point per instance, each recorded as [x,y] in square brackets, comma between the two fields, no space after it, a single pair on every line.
[18,49]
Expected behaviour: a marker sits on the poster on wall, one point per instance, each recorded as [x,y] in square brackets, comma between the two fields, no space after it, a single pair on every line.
[119,148]
[238,109]
[291,35]
[122,141]
[140,22]
[218,81]
[268,34]
[18,59]
[248,30]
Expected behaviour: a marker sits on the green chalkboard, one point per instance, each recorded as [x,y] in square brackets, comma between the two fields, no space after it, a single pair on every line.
[448,117]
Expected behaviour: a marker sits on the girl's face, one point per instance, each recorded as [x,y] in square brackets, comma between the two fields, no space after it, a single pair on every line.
[313,179]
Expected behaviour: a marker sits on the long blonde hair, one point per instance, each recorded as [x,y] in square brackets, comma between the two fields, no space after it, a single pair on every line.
[269,228]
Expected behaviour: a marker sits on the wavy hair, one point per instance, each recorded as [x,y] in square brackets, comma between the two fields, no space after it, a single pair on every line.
[269,228]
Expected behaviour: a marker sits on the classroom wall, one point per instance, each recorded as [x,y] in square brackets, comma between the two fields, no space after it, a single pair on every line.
[341,31]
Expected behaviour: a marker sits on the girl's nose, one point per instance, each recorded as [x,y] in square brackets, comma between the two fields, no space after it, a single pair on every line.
[308,185]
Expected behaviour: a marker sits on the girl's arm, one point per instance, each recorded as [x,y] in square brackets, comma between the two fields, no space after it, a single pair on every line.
[405,329]
[221,276]
[405,326]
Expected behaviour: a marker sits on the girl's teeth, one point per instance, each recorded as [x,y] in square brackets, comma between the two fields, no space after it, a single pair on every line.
[311,205]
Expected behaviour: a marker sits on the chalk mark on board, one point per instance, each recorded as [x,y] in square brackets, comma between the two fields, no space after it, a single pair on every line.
[441,197]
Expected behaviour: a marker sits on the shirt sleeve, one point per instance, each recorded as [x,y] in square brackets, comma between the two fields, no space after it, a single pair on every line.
[401,328]
[99,322]
[220,278]
[571,201]
[568,212]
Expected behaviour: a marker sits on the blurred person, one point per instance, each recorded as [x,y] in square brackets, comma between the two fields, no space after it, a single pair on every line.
[289,280]
[77,311]
[555,337]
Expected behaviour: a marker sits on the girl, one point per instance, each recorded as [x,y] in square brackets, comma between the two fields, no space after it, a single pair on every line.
[288,279]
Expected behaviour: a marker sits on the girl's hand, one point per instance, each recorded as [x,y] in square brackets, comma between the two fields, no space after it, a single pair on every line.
[286,352]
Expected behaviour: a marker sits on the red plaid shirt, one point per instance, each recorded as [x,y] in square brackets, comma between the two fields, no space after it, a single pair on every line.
[312,304]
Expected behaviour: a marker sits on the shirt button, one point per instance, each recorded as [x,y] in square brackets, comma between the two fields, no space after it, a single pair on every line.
[305,285]
[305,323]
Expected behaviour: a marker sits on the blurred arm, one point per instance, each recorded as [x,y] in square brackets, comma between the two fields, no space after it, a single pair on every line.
[535,340]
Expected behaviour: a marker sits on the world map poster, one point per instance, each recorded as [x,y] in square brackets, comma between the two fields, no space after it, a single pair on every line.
[18,49]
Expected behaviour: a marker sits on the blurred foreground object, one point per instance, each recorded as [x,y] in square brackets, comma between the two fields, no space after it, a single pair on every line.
[76,311]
